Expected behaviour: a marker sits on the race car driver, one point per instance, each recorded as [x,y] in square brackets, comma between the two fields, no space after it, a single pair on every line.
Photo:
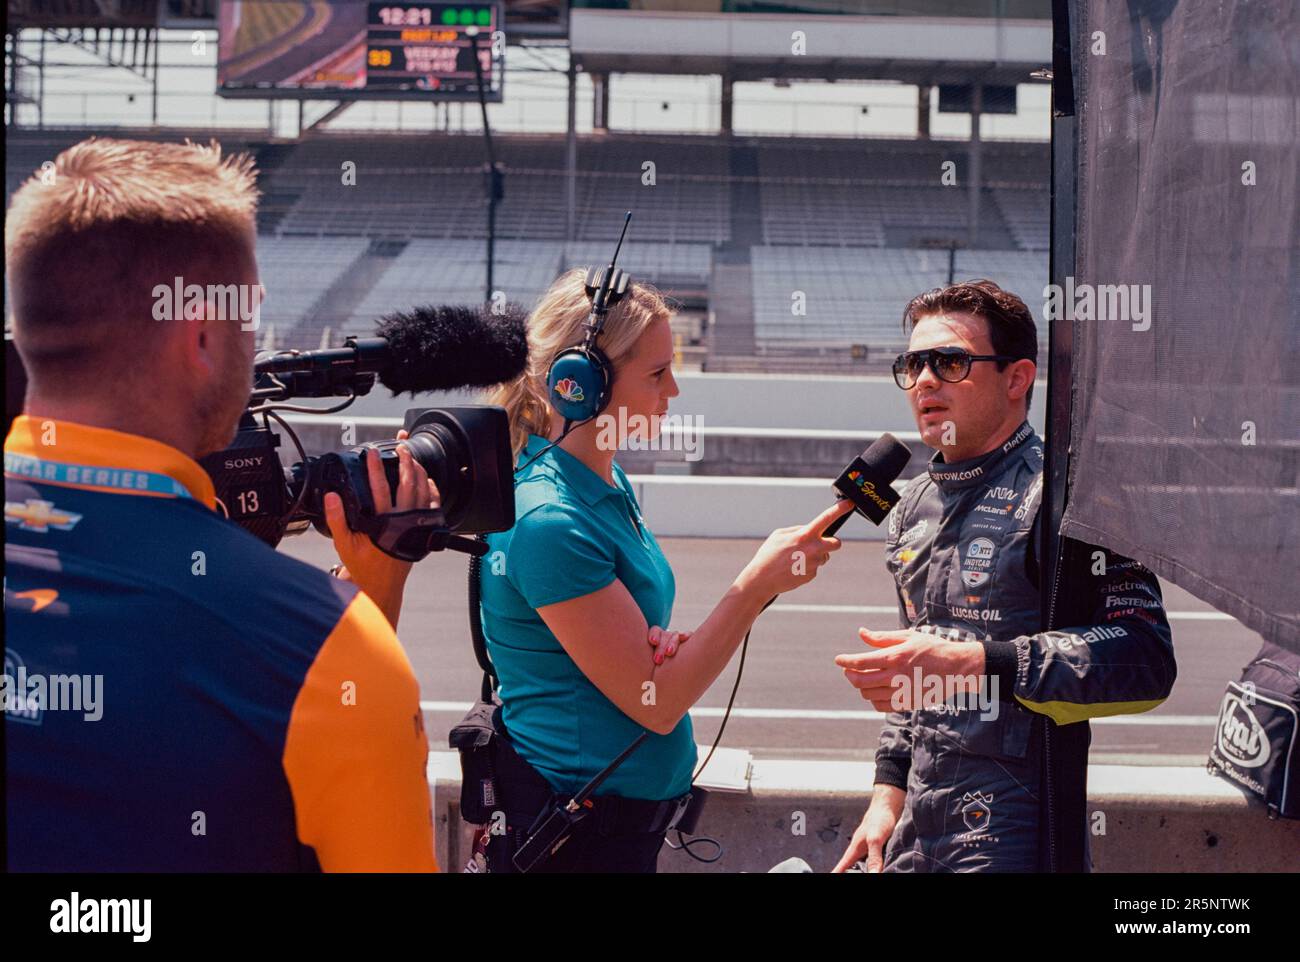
[972,680]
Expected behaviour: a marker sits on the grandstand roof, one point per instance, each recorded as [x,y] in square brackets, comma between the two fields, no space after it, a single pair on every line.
[924,50]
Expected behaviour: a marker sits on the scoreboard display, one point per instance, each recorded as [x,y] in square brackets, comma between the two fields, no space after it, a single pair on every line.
[361,49]
[431,47]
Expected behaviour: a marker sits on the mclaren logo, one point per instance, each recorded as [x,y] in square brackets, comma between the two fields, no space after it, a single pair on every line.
[34,600]
[976,812]
[39,597]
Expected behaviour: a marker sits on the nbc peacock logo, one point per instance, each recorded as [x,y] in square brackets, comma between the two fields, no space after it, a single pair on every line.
[569,389]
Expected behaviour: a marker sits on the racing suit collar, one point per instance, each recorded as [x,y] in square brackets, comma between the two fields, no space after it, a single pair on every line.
[977,470]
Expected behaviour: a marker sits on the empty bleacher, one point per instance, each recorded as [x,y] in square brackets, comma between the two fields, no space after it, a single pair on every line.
[1026,214]
[383,222]
[296,272]
[1024,273]
[687,202]
[434,187]
[669,265]
[811,295]
[450,272]
[846,296]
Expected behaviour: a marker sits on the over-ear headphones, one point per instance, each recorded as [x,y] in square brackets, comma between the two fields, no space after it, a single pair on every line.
[580,378]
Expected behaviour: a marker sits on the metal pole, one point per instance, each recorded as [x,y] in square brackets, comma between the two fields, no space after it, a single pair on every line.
[12,119]
[599,101]
[1064,809]
[726,105]
[976,150]
[495,188]
[40,74]
[571,158]
[153,105]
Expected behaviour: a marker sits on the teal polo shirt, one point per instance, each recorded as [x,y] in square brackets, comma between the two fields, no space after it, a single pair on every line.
[574,534]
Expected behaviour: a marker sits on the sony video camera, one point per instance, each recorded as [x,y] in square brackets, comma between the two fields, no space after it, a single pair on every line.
[465,450]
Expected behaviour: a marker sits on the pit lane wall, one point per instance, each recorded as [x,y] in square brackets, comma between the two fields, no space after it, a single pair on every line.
[1143,818]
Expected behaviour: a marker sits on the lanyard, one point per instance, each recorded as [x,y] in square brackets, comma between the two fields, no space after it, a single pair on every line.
[91,475]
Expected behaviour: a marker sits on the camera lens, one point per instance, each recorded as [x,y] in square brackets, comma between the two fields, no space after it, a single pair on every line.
[438,448]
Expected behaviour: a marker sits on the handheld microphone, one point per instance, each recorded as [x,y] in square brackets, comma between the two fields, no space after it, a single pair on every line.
[868,481]
[428,348]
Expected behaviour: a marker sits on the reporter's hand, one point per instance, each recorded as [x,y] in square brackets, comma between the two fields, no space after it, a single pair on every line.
[666,642]
[874,831]
[380,575]
[791,556]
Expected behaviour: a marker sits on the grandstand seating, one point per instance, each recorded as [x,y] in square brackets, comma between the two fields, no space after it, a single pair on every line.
[849,296]
[449,271]
[842,220]
[1024,273]
[296,272]
[857,296]
[1026,215]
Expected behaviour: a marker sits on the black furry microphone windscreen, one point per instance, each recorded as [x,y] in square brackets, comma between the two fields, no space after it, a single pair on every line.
[447,347]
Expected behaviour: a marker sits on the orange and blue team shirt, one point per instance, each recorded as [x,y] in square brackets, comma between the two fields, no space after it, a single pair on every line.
[253,713]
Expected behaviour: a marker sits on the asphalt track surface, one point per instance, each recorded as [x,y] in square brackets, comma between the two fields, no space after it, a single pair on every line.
[793,701]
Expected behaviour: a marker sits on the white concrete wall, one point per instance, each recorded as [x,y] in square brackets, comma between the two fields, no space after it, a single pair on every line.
[704,507]
[829,402]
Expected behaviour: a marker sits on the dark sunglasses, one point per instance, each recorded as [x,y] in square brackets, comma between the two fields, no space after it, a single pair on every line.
[950,364]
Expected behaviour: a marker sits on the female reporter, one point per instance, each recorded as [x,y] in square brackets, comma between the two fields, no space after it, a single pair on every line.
[571,593]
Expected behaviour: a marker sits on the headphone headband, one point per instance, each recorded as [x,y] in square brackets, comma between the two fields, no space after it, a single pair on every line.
[595,286]
[580,378]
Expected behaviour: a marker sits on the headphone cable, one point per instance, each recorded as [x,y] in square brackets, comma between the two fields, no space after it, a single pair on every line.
[568,426]
[683,844]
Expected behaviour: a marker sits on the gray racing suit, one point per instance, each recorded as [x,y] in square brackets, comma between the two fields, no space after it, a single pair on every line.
[960,546]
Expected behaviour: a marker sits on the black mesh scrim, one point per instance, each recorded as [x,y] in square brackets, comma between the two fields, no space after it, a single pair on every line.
[1185,435]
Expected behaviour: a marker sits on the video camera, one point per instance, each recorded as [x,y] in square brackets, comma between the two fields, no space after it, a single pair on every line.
[465,450]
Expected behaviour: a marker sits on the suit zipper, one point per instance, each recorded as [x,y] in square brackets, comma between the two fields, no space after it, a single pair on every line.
[1049,785]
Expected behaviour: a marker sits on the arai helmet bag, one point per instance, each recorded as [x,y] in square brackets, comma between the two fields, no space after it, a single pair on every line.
[1255,740]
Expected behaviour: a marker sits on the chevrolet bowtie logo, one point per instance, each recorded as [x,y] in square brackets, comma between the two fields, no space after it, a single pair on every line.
[34,515]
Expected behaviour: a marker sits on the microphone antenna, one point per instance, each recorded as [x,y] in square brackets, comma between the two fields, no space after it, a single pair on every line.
[602,301]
